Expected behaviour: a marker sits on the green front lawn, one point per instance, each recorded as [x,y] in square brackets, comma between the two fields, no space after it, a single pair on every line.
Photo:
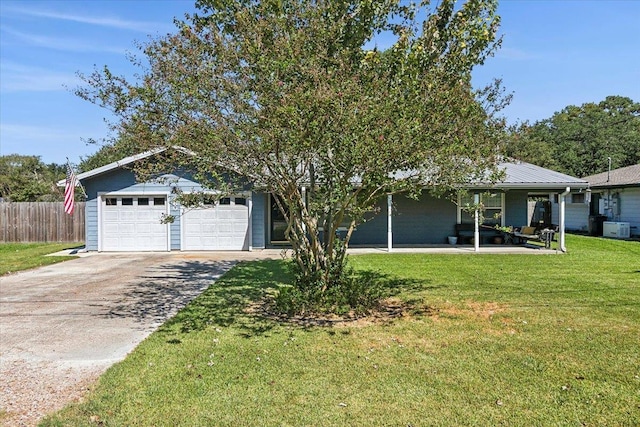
[23,256]
[517,340]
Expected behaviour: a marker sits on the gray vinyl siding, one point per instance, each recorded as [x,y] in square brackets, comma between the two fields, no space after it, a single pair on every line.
[426,221]
[515,208]
[576,216]
[259,220]
[174,229]
[374,231]
[91,224]
[630,208]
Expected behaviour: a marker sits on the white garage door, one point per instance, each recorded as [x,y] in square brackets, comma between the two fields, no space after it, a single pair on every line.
[132,223]
[221,226]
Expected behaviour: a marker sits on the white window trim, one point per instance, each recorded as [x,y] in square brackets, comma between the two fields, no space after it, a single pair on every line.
[460,208]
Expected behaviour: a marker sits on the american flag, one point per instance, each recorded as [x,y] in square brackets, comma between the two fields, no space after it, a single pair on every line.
[69,190]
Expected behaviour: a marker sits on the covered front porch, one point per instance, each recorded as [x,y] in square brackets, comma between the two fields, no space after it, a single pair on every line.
[442,225]
[426,224]
[530,249]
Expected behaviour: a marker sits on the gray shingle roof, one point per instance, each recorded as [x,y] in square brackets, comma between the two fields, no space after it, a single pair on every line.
[626,176]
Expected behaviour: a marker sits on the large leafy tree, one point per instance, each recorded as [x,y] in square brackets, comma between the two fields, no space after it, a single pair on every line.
[579,140]
[28,179]
[294,97]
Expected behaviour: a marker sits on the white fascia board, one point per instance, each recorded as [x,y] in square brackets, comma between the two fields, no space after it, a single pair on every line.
[114,165]
[123,162]
[120,163]
[531,186]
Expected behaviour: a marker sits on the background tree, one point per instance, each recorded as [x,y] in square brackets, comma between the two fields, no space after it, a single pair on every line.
[108,153]
[28,179]
[578,140]
[292,96]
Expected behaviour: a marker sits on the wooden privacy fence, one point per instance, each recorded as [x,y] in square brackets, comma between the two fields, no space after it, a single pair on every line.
[41,222]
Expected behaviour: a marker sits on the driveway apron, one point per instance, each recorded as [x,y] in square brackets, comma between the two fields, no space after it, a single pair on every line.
[62,325]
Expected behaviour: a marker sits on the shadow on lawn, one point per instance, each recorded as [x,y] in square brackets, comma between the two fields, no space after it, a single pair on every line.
[166,289]
[226,302]
[172,289]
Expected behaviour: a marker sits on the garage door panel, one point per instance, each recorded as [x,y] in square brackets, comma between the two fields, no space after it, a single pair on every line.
[143,228]
[224,227]
[126,215]
[133,227]
[129,229]
[110,215]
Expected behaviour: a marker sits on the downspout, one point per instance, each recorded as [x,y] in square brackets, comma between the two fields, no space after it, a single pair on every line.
[562,208]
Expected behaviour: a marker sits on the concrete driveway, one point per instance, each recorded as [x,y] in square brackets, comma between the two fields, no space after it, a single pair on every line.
[62,325]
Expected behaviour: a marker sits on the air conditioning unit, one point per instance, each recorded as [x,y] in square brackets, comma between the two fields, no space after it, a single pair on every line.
[617,230]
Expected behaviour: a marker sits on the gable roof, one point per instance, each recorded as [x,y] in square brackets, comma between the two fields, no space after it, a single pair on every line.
[622,177]
[518,174]
[121,163]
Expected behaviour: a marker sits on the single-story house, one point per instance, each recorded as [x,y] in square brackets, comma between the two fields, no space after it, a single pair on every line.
[615,197]
[125,215]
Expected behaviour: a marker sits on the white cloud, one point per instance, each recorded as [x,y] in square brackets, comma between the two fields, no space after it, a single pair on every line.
[64,44]
[16,78]
[111,22]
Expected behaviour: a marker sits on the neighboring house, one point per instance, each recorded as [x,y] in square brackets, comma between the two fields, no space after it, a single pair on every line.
[616,196]
[123,215]
[576,211]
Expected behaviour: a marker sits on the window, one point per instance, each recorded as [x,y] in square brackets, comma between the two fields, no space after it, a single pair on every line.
[493,208]
[225,201]
[111,201]
[241,201]
[158,201]
[143,201]
[127,201]
[577,198]
[209,199]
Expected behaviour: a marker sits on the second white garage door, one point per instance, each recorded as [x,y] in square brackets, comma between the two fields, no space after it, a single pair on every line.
[223,226]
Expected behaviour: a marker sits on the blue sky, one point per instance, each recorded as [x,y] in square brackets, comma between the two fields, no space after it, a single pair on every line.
[555,53]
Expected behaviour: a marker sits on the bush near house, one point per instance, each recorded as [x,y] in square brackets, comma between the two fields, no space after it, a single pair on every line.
[464,340]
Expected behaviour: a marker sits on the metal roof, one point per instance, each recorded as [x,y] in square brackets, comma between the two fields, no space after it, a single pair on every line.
[627,176]
[518,174]
[525,175]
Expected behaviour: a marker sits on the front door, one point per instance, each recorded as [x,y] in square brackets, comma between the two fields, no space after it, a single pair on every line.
[277,223]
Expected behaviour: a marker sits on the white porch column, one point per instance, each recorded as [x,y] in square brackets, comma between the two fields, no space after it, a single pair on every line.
[250,227]
[476,229]
[303,193]
[562,210]
[389,224]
